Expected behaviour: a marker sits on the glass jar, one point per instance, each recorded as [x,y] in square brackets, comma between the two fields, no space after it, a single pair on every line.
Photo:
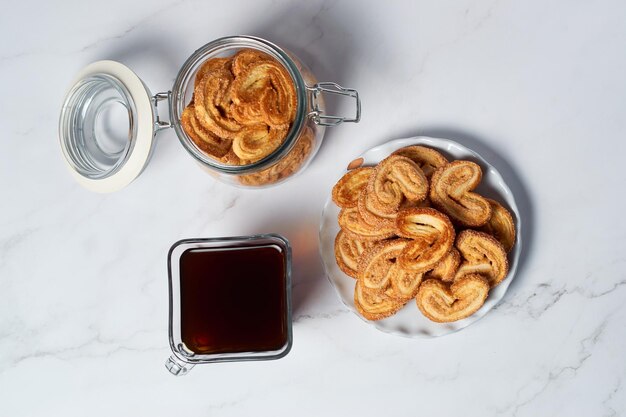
[109,120]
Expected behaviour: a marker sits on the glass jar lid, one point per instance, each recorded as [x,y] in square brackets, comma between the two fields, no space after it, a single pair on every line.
[106,128]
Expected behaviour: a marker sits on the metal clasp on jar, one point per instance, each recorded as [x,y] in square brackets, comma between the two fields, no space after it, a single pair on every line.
[317,113]
[159,123]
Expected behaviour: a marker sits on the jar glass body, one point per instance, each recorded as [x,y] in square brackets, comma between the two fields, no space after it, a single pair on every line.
[302,141]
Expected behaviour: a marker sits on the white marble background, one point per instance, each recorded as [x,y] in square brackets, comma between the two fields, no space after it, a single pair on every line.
[537,87]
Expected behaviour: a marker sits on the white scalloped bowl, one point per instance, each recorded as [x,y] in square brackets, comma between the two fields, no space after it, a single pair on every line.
[409,321]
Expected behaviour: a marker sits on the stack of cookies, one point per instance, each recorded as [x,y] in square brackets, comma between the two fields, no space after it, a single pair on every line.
[242,107]
[413,228]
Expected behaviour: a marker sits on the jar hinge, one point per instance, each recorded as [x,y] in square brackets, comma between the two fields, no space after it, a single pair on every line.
[158,123]
[317,114]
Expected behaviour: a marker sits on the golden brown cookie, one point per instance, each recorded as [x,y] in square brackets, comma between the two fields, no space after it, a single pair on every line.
[347,252]
[346,192]
[242,59]
[376,263]
[396,178]
[212,65]
[373,304]
[446,269]
[205,140]
[266,87]
[500,225]
[404,283]
[444,304]
[212,104]
[353,224]
[426,158]
[254,143]
[432,237]
[482,254]
[370,217]
[451,192]
[295,159]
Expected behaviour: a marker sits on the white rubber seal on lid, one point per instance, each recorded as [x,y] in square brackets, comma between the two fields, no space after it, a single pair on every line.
[94,167]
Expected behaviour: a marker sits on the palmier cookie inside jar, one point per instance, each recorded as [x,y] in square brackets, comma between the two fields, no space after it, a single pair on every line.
[250,112]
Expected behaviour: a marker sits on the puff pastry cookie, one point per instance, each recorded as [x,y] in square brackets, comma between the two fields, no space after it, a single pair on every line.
[373,304]
[427,159]
[451,192]
[445,304]
[396,178]
[432,236]
[500,225]
[348,250]
[482,254]
[375,266]
[347,190]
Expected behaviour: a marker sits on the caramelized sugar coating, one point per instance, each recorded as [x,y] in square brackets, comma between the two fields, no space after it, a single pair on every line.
[396,178]
[451,192]
[246,57]
[294,161]
[255,142]
[443,304]
[446,269]
[348,251]
[352,223]
[482,254]
[347,190]
[372,218]
[212,101]
[267,88]
[501,225]
[374,304]
[208,142]
[403,283]
[213,64]
[432,237]
[376,263]
[428,159]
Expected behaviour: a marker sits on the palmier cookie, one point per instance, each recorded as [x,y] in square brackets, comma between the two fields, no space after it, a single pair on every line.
[450,192]
[350,221]
[212,64]
[427,159]
[267,86]
[443,304]
[254,143]
[244,58]
[431,234]
[374,304]
[370,217]
[396,178]
[376,263]
[206,141]
[211,104]
[446,269]
[404,283]
[295,160]
[347,252]
[500,225]
[482,254]
[347,190]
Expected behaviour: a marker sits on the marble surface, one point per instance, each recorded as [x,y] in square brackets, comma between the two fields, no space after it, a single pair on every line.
[538,88]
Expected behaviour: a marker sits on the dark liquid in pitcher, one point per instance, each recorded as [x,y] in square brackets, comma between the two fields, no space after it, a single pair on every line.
[233,299]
